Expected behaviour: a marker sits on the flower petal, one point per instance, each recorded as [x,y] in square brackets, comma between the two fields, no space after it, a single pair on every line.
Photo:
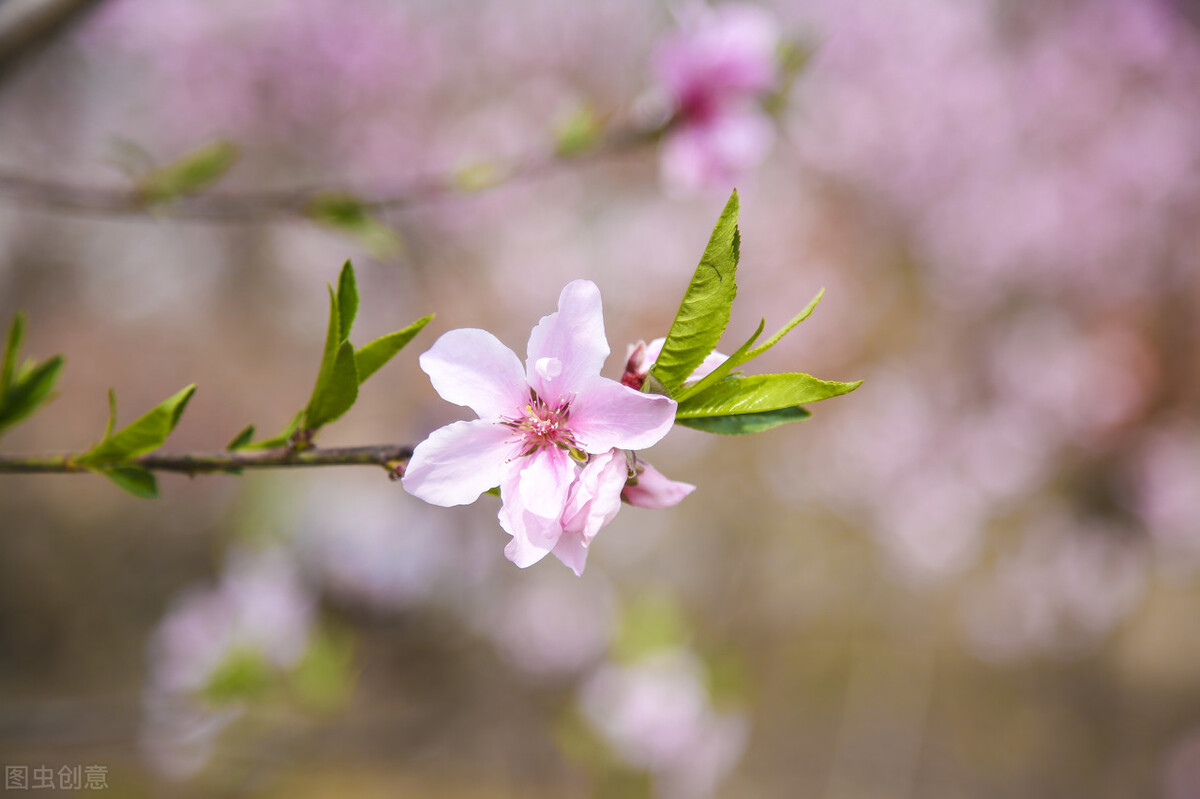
[606,414]
[574,336]
[572,550]
[544,482]
[458,462]
[655,491]
[529,535]
[473,368]
[596,495]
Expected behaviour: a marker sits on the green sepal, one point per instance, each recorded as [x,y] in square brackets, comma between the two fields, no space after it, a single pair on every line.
[146,434]
[134,479]
[734,396]
[745,423]
[193,172]
[706,305]
[370,357]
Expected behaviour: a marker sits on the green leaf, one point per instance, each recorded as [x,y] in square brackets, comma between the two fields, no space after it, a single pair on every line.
[242,439]
[797,319]
[12,347]
[146,434]
[704,312]
[371,357]
[195,171]
[744,423]
[112,413]
[281,440]
[722,371]
[337,393]
[347,299]
[734,396]
[350,215]
[134,479]
[243,674]
[30,388]
[324,679]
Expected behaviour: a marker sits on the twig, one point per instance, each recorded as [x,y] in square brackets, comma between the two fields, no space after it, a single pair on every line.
[252,206]
[392,457]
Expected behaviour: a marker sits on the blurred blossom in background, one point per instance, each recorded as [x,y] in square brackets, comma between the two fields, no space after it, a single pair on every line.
[975,576]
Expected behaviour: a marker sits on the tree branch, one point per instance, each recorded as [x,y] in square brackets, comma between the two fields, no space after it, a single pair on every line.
[251,206]
[392,457]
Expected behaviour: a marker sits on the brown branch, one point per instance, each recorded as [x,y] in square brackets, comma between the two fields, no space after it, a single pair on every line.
[392,457]
[251,206]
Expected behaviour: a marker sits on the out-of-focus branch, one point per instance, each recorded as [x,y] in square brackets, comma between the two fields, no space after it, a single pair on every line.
[26,25]
[306,202]
[392,457]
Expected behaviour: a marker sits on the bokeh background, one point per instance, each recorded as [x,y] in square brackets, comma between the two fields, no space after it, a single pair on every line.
[978,575]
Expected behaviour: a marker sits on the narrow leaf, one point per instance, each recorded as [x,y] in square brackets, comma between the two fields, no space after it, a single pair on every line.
[112,413]
[370,357]
[191,173]
[348,214]
[704,312]
[347,298]
[146,434]
[29,391]
[337,394]
[797,319]
[743,423]
[241,439]
[12,346]
[758,393]
[722,371]
[333,341]
[134,479]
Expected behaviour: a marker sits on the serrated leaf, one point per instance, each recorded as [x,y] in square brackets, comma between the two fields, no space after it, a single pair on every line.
[783,331]
[704,312]
[146,434]
[723,370]
[134,479]
[370,357]
[242,439]
[347,299]
[760,393]
[28,391]
[350,215]
[337,393]
[12,347]
[189,174]
[745,423]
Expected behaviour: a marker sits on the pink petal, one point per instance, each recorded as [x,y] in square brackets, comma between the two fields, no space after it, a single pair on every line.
[574,337]
[529,536]
[655,491]
[458,462]
[715,152]
[473,368]
[596,495]
[572,550]
[543,482]
[606,414]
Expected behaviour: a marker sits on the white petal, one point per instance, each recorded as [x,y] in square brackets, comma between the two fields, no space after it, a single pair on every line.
[574,335]
[458,462]
[473,368]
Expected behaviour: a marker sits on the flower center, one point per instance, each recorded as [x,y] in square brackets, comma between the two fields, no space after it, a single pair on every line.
[540,424]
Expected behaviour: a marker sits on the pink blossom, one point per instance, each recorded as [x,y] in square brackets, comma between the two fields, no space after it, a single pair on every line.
[715,69]
[548,434]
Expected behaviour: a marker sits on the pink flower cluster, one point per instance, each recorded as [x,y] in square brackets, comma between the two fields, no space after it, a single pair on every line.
[715,70]
[555,436]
